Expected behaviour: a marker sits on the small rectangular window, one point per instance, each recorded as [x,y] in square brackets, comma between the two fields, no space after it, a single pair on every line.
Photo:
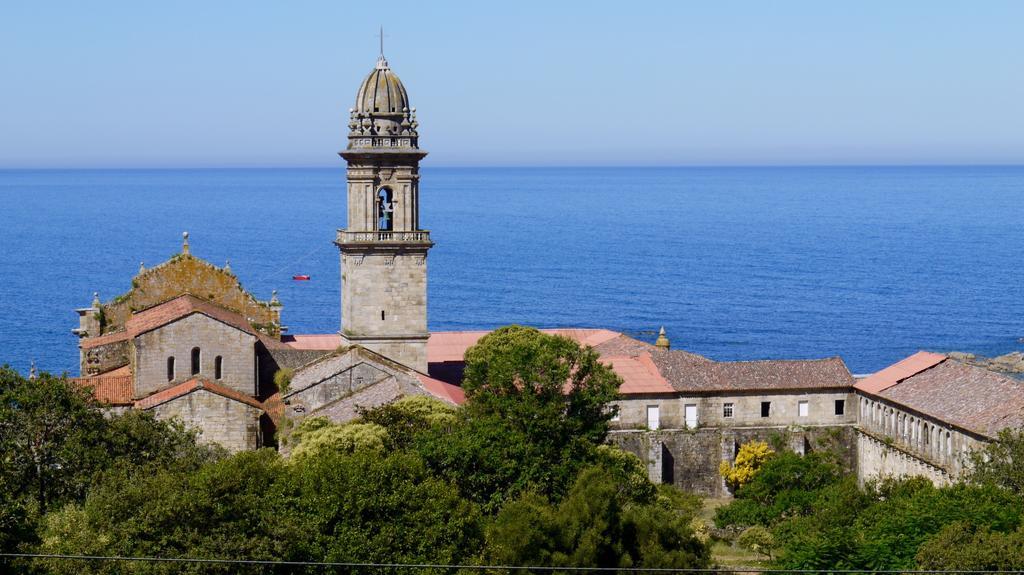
[840,407]
[802,408]
[726,410]
[653,417]
[766,408]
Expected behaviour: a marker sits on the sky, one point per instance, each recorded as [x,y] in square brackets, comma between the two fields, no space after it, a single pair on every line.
[261,83]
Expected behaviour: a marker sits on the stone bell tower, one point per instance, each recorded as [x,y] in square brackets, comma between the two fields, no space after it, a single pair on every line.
[383,249]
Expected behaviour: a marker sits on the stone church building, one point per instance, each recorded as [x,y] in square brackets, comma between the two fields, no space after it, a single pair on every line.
[188,341]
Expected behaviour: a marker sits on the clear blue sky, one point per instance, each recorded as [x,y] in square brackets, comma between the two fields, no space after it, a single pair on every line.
[268,83]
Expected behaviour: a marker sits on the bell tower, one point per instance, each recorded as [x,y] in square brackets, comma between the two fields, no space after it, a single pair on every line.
[383,249]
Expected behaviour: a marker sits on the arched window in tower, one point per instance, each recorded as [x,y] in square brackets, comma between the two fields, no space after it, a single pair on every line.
[196,355]
[170,368]
[385,210]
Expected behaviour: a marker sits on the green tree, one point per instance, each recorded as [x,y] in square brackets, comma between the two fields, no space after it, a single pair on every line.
[785,485]
[964,546]
[597,525]
[759,540]
[1000,462]
[548,386]
[226,508]
[367,507]
[346,438]
[536,410]
[409,417]
[50,432]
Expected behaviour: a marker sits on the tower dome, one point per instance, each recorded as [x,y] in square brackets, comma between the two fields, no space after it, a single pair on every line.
[382,92]
[382,117]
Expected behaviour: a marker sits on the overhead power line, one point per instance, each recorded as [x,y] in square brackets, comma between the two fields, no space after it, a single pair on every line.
[518,568]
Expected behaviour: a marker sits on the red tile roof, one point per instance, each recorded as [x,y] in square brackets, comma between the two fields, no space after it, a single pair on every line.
[897,372]
[639,375]
[312,342]
[446,346]
[441,390]
[789,375]
[191,385]
[645,368]
[113,387]
[967,396]
[165,313]
[90,342]
[179,307]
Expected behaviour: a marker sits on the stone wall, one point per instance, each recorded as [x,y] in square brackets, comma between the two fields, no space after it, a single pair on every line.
[220,420]
[384,296]
[746,410]
[877,458]
[213,338]
[103,358]
[336,385]
[689,459]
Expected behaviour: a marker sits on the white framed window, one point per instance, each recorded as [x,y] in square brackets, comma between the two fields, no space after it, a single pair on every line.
[653,417]
[727,410]
[802,408]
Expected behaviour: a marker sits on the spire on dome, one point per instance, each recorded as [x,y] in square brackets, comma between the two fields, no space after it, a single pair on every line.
[382,63]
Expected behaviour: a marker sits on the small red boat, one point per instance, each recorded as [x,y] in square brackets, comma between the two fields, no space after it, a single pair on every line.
[302,278]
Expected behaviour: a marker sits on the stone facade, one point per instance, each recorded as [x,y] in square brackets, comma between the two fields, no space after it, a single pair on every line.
[336,385]
[384,301]
[877,457]
[213,338]
[894,440]
[738,410]
[689,459]
[221,420]
[103,358]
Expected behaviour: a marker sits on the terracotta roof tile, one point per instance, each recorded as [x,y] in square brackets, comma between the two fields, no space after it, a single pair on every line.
[775,374]
[113,387]
[90,342]
[191,385]
[967,396]
[899,371]
[441,390]
[165,313]
[312,342]
[179,307]
[639,375]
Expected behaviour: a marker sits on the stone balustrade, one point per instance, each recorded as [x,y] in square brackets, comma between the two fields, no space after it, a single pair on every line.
[413,237]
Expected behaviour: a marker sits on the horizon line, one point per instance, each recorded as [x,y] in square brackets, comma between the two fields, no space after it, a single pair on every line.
[518,166]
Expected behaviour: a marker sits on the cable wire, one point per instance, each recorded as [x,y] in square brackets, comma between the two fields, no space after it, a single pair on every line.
[271,563]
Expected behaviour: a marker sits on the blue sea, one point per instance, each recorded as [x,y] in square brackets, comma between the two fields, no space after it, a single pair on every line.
[869,263]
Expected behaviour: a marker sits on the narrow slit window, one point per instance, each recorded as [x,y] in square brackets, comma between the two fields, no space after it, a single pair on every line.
[381,315]
[218,367]
[170,368]
[196,356]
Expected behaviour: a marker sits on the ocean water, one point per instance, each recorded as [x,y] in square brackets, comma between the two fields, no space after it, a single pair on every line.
[869,263]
